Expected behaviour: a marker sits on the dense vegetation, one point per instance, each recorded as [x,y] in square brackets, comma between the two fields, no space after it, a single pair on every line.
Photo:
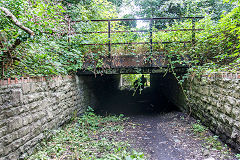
[88,137]
[43,41]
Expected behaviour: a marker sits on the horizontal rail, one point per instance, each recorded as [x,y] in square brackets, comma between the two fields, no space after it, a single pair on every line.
[138,19]
[136,43]
[150,31]
[168,30]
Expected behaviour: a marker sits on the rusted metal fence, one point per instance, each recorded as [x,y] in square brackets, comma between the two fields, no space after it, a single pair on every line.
[150,31]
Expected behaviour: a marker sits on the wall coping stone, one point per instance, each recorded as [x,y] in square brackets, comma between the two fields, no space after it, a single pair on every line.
[220,76]
[12,81]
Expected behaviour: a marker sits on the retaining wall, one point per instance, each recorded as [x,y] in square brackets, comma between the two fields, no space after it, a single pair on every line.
[212,98]
[30,106]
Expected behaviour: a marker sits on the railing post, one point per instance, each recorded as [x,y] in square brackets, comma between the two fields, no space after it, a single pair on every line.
[109,39]
[151,42]
[193,31]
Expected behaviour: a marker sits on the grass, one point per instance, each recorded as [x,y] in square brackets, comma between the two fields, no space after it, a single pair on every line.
[88,137]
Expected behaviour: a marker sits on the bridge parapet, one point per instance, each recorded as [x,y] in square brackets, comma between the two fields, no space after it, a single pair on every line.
[147,59]
[110,31]
[130,64]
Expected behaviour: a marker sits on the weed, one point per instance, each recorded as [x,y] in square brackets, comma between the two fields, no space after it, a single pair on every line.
[88,137]
[213,142]
[238,156]
[198,128]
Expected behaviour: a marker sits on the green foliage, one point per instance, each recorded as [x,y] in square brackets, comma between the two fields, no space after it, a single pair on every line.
[49,52]
[198,128]
[238,156]
[219,45]
[88,137]
[129,79]
[35,55]
[213,142]
[54,50]
[210,142]
[173,8]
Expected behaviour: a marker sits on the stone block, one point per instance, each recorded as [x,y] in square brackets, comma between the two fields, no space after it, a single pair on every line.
[235,133]
[214,113]
[1,100]
[231,100]
[6,139]
[13,156]
[219,106]
[227,109]
[237,124]
[14,124]
[212,101]
[37,128]
[24,131]
[15,135]
[7,150]
[27,119]
[16,97]
[227,120]
[33,97]
[3,131]
[37,139]
[26,88]
[39,87]
[33,106]
[14,145]
[45,86]
[8,113]
[1,149]
[238,103]
[236,113]
[3,121]
[33,87]
[51,84]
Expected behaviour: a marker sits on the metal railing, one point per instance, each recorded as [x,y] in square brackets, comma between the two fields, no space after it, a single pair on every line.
[193,29]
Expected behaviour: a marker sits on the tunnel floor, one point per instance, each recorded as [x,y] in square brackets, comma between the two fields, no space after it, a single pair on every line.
[169,136]
[156,127]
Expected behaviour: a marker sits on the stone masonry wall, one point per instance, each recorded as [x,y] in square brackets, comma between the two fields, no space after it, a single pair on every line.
[215,100]
[212,98]
[30,106]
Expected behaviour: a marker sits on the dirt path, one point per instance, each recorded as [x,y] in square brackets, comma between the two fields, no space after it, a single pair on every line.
[170,136]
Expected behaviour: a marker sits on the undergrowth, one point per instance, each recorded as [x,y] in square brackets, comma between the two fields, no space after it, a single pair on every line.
[211,142]
[89,137]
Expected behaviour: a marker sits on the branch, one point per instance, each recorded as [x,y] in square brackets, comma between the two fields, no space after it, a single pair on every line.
[15,21]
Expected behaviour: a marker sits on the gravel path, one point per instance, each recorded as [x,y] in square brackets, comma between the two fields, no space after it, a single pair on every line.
[169,136]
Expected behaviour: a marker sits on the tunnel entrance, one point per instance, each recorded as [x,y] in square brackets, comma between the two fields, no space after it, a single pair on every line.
[115,94]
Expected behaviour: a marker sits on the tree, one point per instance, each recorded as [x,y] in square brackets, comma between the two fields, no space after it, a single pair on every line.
[181,8]
[48,52]
[21,20]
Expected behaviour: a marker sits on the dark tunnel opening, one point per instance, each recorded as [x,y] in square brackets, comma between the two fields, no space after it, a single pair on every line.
[111,99]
